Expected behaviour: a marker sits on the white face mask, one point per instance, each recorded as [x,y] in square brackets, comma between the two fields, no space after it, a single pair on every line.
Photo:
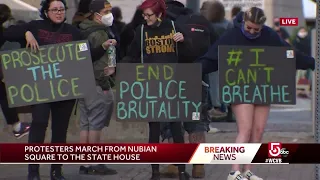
[107,19]
[302,34]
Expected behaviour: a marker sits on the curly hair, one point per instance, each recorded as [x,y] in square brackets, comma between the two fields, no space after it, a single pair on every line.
[45,4]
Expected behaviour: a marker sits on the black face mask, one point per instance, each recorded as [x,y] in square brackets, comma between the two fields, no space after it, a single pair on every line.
[277,24]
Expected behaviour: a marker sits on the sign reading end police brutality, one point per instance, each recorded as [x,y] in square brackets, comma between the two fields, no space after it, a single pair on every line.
[55,73]
[257,75]
[159,92]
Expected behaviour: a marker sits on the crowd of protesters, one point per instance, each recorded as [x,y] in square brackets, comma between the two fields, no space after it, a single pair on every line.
[102,25]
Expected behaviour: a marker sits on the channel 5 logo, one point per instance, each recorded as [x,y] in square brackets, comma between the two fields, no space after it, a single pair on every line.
[275,150]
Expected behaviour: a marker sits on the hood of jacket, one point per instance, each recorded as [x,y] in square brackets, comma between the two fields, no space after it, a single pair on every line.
[176,8]
[86,25]
[237,21]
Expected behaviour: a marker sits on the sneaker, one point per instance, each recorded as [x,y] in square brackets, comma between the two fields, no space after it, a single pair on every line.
[184,176]
[216,113]
[249,175]
[236,176]
[100,169]
[171,171]
[56,174]
[34,177]
[155,176]
[198,171]
[24,130]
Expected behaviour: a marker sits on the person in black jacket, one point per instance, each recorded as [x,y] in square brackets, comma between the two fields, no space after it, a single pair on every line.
[156,25]
[51,30]
[20,129]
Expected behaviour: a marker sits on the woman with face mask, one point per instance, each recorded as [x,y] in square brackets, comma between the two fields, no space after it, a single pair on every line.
[51,30]
[166,50]
[251,118]
[95,109]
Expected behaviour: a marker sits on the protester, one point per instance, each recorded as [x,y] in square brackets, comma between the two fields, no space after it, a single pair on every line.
[129,32]
[251,118]
[118,23]
[216,16]
[234,11]
[154,13]
[20,129]
[96,108]
[302,42]
[282,32]
[202,41]
[204,10]
[57,31]
[83,9]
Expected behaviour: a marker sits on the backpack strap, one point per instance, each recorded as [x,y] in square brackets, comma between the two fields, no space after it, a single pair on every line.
[141,44]
[174,29]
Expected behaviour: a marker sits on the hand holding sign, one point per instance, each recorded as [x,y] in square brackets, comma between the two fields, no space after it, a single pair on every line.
[32,42]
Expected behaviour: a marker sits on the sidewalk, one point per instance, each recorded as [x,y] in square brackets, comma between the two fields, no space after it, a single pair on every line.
[214,172]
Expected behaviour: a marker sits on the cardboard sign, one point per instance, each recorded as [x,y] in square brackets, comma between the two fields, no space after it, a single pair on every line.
[57,72]
[159,92]
[257,75]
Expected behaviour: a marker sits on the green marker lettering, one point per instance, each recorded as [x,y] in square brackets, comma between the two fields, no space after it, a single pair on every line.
[59,88]
[38,98]
[121,108]
[257,51]
[22,92]
[43,56]
[227,78]
[167,90]
[123,89]
[145,115]
[186,108]
[70,50]
[28,61]
[133,90]
[74,87]
[162,110]
[153,72]
[6,59]
[61,54]
[16,58]
[78,53]
[268,71]
[12,92]
[132,105]
[49,55]
[138,72]
[167,72]
[181,89]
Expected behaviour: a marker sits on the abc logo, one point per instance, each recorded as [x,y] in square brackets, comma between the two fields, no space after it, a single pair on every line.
[275,150]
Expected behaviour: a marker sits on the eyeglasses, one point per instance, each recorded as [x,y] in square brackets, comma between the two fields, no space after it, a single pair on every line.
[56,11]
[147,15]
[255,29]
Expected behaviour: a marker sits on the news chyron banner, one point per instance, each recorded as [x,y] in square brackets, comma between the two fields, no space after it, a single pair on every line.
[159,153]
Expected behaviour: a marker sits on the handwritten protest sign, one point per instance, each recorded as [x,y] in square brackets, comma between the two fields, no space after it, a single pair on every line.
[159,92]
[57,72]
[257,75]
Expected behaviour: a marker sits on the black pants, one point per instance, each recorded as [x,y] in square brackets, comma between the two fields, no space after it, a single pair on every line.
[177,135]
[10,114]
[60,113]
